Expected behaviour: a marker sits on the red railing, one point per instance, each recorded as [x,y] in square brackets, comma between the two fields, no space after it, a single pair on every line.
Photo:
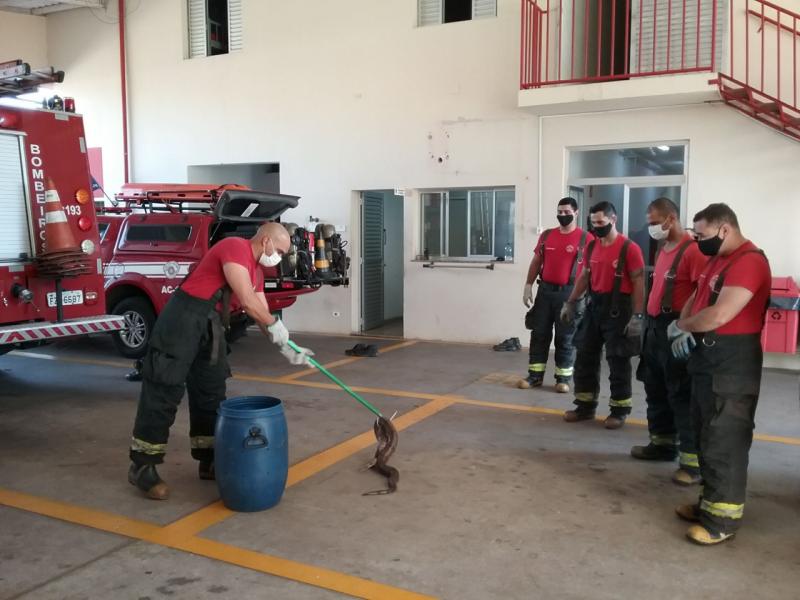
[587,41]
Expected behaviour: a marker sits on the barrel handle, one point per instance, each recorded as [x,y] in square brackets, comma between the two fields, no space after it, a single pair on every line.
[255,439]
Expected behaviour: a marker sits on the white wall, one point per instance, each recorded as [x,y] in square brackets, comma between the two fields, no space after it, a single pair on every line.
[255,176]
[23,37]
[393,256]
[732,159]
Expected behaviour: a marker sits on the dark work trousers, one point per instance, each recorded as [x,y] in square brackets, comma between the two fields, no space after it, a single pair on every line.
[726,380]
[542,319]
[600,328]
[669,391]
[179,358]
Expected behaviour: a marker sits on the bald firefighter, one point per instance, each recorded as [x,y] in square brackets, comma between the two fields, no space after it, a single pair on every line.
[666,382]
[720,333]
[188,351]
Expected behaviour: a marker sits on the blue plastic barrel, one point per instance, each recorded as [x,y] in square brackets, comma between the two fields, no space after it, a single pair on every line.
[251,452]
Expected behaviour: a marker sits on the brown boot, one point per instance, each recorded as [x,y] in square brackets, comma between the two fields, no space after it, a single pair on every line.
[688,512]
[578,414]
[700,535]
[687,476]
[615,421]
[145,477]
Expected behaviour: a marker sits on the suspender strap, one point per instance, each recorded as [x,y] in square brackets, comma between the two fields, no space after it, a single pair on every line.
[589,251]
[720,283]
[542,240]
[666,299]
[618,277]
[578,259]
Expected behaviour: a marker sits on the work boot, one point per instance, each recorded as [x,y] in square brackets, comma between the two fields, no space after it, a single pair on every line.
[136,374]
[579,414]
[145,477]
[508,345]
[206,471]
[652,451]
[562,385]
[700,535]
[688,512]
[531,381]
[687,476]
[615,420]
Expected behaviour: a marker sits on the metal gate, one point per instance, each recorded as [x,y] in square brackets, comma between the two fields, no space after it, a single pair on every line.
[372,260]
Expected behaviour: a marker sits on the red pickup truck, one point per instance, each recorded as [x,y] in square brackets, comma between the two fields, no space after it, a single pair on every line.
[156,233]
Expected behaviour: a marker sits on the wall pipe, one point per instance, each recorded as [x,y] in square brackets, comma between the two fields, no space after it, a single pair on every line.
[124,90]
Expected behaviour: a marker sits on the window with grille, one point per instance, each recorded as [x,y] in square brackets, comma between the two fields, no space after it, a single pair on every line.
[215,27]
[475,224]
[435,12]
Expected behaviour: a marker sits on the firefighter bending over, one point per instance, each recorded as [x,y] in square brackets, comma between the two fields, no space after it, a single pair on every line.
[188,351]
[720,332]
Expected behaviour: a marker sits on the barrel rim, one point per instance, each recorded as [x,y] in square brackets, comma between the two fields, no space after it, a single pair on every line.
[248,405]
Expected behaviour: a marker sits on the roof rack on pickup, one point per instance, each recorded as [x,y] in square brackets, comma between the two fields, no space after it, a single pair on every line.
[17,77]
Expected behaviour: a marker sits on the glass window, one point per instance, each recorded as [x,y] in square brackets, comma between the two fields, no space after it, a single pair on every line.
[468,223]
[158,233]
[647,161]
[102,228]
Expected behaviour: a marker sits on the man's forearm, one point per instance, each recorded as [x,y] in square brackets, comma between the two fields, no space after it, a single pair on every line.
[257,311]
[533,269]
[638,294]
[707,319]
[580,288]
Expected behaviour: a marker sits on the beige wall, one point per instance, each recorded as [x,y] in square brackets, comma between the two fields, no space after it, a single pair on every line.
[351,96]
[23,37]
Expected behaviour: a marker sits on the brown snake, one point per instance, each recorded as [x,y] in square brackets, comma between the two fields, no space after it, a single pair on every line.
[386,434]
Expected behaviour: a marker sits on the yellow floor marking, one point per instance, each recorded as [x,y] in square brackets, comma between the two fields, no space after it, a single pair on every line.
[215,513]
[345,361]
[265,563]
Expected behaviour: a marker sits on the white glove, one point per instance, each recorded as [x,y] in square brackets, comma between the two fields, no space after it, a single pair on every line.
[296,358]
[682,341]
[278,333]
[527,295]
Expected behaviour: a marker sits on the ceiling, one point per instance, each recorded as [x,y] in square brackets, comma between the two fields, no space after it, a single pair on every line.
[44,7]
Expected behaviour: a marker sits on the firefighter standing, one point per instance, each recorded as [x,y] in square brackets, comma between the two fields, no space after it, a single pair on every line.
[558,255]
[187,351]
[719,331]
[666,382]
[615,283]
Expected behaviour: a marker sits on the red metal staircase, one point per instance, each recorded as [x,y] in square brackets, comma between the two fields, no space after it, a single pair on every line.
[762,78]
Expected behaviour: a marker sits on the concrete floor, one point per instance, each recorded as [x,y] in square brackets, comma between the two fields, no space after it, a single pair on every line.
[498,497]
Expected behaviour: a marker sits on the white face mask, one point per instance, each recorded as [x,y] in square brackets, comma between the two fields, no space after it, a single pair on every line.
[270,260]
[657,233]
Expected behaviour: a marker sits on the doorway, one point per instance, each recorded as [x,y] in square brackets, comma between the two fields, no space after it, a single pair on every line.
[381,263]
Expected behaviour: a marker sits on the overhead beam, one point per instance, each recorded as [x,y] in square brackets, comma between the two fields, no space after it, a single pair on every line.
[68,5]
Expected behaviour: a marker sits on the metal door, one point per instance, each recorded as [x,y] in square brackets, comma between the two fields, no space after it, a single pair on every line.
[372,260]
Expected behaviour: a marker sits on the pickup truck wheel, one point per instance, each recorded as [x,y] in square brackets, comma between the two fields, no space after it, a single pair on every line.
[139,316]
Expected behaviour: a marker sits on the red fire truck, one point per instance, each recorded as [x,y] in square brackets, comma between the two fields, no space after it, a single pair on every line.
[51,272]
[156,233]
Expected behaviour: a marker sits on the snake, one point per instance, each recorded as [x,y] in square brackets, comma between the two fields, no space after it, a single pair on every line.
[386,434]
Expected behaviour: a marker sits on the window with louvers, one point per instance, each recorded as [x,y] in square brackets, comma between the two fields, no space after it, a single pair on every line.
[434,12]
[14,228]
[215,27]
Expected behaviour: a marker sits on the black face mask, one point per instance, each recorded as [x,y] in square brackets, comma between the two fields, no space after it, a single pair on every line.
[565,220]
[603,231]
[711,246]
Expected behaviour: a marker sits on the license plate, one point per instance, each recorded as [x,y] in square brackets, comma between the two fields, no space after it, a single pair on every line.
[68,298]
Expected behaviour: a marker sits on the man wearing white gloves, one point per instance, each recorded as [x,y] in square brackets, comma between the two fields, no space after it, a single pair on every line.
[556,261]
[188,352]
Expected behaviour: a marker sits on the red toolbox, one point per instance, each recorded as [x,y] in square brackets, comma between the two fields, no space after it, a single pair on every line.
[780,329]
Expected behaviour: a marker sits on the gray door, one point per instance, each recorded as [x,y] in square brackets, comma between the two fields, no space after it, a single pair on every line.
[372,235]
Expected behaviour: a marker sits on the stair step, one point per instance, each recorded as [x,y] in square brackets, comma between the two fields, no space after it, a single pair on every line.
[737,93]
[792,122]
[767,107]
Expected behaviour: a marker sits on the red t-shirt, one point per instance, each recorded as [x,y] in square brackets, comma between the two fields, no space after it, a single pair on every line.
[560,252]
[752,272]
[689,269]
[603,265]
[208,276]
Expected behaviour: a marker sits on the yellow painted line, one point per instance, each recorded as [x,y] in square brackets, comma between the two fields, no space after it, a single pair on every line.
[215,513]
[346,361]
[264,563]
[79,515]
[777,439]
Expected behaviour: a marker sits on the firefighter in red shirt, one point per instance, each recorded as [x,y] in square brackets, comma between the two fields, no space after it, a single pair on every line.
[720,332]
[188,352]
[556,260]
[666,382]
[615,283]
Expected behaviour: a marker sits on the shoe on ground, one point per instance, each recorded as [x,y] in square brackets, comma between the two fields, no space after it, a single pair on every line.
[531,381]
[508,345]
[655,452]
[688,512]
[562,387]
[573,416]
[357,350]
[206,471]
[687,476]
[615,421]
[145,477]
[700,535]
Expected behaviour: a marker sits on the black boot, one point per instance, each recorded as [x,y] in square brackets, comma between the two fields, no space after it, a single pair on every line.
[531,381]
[653,451]
[145,477]
[136,374]
[206,471]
